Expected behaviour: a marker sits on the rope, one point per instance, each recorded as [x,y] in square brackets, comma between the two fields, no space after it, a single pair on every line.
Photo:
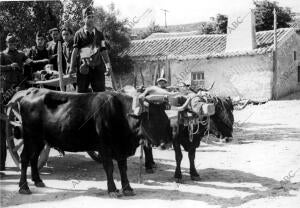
[207,129]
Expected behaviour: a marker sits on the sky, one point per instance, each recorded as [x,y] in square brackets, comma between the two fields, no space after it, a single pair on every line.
[182,12]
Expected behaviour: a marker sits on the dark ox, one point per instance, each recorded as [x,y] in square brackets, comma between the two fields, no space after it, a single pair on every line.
[220,124]
[79,122]
[155,125]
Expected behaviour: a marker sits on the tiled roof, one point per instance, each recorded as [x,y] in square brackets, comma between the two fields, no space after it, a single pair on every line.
[295,23]
[198,46]
[173,34]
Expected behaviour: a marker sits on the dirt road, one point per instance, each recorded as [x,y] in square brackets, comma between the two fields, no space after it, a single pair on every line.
[260,168]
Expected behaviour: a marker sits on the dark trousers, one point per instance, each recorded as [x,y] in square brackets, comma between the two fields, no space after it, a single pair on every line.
[2,140]
[95,77]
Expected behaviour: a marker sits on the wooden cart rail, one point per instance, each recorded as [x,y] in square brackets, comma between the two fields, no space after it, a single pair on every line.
[67,79]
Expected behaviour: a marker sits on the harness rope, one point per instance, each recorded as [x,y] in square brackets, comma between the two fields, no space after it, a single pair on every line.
[199,121]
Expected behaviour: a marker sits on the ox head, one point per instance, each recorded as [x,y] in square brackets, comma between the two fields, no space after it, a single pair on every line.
[147,117]
[222,121]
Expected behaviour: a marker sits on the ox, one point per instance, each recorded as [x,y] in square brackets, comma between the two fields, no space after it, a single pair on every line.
[189,135]
[155,124]
[79,122]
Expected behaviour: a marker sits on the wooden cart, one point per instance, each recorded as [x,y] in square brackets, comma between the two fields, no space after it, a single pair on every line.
[14,122]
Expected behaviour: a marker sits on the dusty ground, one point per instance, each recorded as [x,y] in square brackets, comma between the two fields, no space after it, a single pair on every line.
[260,168]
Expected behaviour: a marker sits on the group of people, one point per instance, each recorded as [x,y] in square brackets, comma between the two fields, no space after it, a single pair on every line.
[16,67]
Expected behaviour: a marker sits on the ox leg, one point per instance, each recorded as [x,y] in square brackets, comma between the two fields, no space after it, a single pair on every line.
[126,188]
[178,158]
[193,172]
[109,168]
[25,156]
[149,162]
[34,166]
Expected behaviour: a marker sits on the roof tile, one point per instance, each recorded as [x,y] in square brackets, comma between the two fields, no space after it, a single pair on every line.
[190,46]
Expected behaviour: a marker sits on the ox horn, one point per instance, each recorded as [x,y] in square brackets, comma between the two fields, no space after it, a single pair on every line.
[243,106]
[211,86]
[203,89]
[183,107]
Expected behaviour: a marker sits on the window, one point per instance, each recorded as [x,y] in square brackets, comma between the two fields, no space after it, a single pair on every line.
[295,56]
[198,79]
[197,76]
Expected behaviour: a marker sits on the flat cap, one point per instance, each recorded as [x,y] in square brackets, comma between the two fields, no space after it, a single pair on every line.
[161,79]
[87,11]
[53,29]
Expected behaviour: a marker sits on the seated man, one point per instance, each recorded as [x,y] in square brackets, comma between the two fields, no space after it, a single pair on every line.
[12,63]
[38,54]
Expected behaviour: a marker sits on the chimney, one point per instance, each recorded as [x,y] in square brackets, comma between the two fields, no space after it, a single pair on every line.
[241,34]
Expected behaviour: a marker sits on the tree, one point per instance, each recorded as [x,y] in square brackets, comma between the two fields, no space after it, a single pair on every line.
[25,18]
[152,28]
[117,35]
[264,15]
[218,25]
[221,23]
[72,15]
[208,28]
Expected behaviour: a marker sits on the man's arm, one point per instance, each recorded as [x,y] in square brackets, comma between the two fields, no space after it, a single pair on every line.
[4,66]
[41,61]
[106,60]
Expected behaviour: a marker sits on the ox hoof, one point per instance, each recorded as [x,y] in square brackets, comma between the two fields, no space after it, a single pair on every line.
[115,194]
[178,180]
[128,193]
[195,178]
[25,191]
[40,184]
[149,171]
[154,165]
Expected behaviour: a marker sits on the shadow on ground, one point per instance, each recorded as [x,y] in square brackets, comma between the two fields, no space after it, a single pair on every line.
[78,168]
[250,132]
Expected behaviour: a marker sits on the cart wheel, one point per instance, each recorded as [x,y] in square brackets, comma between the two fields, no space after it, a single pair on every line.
[95,155]
[14,138]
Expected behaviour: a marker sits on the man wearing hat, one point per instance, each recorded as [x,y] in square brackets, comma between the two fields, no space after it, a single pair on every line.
[162,83]
[11,77]
[38,54]
[89,43]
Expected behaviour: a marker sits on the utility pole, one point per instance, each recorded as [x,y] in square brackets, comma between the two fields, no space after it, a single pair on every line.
[165,11]
[275,56]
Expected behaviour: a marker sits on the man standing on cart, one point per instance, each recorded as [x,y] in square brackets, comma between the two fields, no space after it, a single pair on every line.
[89,43]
